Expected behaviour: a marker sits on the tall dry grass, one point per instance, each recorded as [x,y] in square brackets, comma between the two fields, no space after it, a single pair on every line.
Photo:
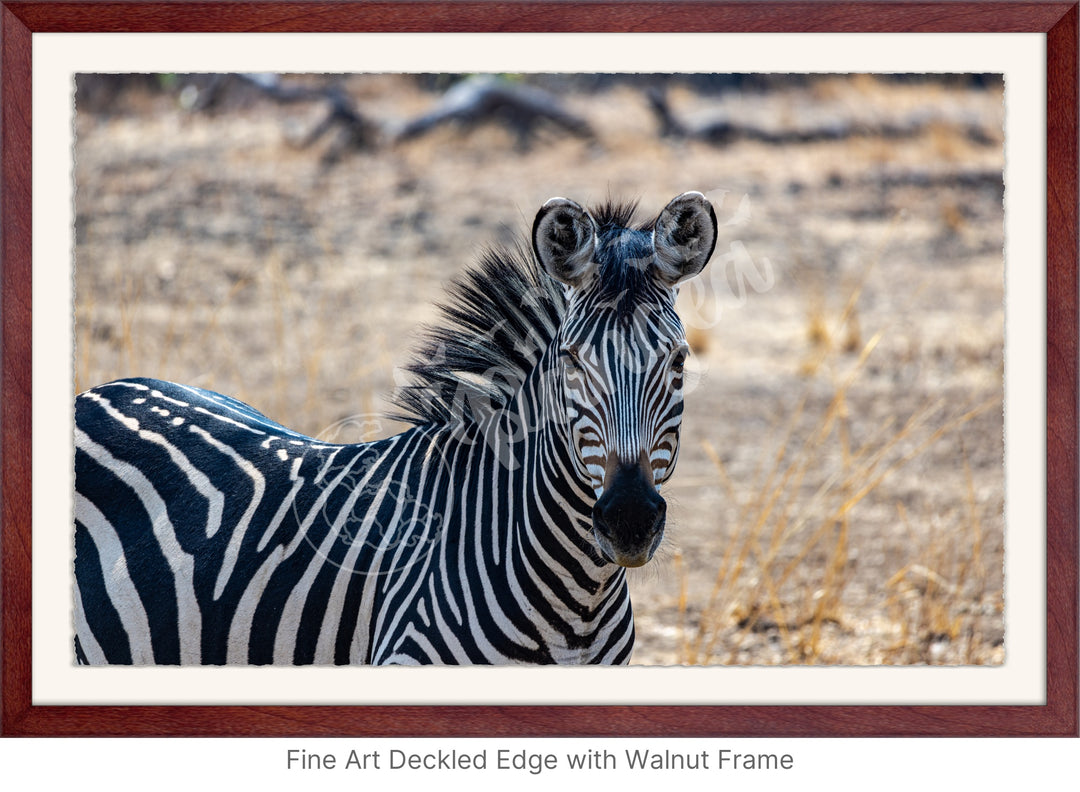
[786,567]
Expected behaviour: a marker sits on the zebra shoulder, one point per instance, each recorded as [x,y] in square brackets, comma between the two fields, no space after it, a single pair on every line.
[133,401]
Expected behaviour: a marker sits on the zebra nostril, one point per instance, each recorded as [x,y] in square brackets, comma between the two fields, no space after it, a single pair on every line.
[629,515]
[602,518]
[661,515]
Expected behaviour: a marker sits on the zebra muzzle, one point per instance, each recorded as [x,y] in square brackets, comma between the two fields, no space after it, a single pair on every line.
[628,519]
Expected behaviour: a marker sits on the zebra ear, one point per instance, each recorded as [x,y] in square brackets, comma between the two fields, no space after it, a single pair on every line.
[564,239]
[684,237]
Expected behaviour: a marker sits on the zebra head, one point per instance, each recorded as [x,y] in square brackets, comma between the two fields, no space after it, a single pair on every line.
[621,350]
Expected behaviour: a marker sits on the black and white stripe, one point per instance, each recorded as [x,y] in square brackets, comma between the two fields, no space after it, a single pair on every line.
[546,414]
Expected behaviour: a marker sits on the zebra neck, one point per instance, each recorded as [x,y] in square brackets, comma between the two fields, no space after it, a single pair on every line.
[584,599]
[558,500]
[522,542]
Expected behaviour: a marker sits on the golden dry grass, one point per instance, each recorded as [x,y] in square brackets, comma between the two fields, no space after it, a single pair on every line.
[840,487]
[929,603]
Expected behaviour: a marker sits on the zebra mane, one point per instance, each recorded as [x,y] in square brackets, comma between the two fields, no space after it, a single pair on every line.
[495,323]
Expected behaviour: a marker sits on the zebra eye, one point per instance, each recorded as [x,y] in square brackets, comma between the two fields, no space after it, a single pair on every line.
[678,360]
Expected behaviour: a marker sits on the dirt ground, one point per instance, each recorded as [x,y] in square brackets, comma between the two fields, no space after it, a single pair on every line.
[840,489]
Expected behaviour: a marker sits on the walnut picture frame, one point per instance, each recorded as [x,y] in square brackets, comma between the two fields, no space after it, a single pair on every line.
[20,715]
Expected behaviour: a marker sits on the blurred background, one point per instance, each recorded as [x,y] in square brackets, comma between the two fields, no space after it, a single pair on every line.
[838,500]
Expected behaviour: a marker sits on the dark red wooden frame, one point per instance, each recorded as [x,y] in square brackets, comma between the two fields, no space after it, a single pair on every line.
[1058,20]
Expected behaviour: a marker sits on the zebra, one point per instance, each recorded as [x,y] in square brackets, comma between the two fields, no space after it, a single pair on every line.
[544,410]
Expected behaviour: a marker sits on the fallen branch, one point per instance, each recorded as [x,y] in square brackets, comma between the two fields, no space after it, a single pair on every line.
[523,108]
[723,131]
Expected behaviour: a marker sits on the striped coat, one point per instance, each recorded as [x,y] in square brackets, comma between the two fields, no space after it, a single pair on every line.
[497,529]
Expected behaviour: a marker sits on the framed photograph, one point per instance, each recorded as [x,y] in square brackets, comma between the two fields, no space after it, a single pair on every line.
[872,530]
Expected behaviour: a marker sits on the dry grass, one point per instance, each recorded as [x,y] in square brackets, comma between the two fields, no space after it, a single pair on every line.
[800,505]
[838,497]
